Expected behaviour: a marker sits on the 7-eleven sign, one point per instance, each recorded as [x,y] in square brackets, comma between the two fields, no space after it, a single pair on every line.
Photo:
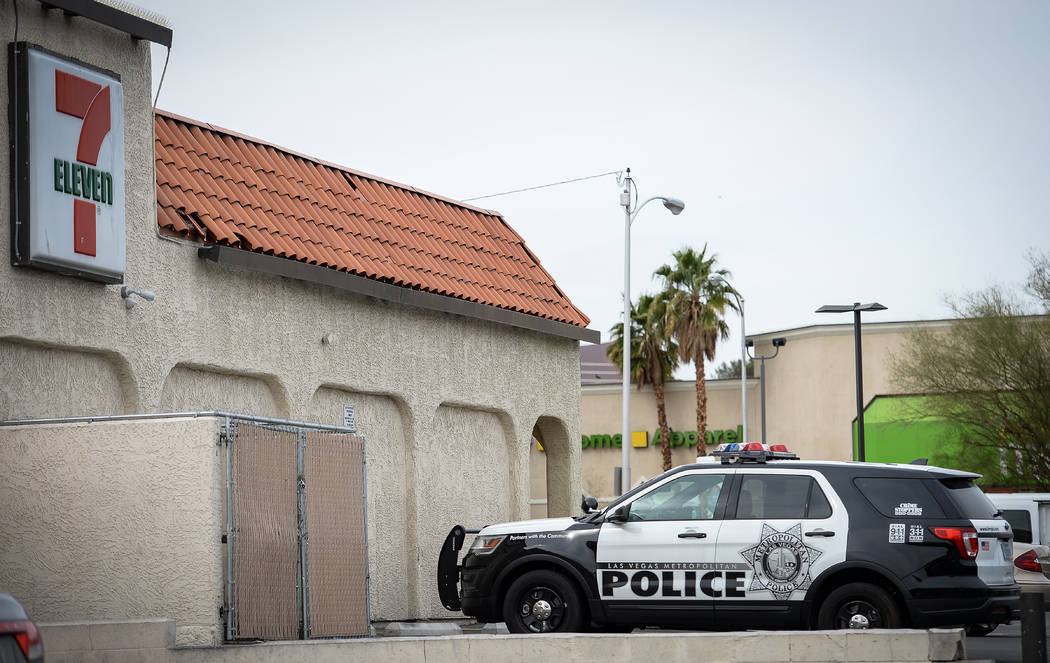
[69,171]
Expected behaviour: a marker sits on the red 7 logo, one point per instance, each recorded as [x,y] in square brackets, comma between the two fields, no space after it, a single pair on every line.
[90,102]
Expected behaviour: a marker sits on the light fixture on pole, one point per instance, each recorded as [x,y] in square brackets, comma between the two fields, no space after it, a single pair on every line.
[856,308]
[743,351]
[675,206]
[778,343]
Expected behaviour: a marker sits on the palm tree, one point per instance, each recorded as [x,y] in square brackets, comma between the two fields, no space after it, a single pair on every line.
[654,357]
[695,297]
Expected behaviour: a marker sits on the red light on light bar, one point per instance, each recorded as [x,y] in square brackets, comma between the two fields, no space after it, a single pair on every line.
[778,447]
[753,446]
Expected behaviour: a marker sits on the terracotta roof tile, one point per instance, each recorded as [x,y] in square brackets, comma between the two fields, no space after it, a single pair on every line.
[216,186]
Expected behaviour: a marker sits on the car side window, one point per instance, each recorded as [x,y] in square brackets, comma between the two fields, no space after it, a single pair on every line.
[1021,523]
[899,497]
[784,496]
[691,497]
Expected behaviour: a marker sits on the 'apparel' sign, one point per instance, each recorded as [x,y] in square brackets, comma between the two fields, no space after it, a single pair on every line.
[68,180]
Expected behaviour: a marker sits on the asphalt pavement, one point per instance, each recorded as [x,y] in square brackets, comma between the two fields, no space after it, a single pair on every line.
[1002,645]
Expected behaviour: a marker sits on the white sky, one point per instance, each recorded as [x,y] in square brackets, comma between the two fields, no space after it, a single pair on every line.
[828,152]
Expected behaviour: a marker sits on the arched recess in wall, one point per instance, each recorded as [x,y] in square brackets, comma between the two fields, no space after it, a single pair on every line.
[193,387]
[383,421]
[558,466]
[468,473]
[43,381]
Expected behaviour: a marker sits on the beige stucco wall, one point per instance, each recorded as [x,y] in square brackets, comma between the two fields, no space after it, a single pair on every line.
[602,414]
[448,403]
[810,400]
[811,390]
[115,520]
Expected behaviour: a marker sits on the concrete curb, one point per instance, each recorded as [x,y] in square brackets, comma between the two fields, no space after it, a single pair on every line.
[151,640]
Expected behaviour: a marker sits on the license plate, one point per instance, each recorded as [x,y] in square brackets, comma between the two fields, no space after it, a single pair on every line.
[1008,550]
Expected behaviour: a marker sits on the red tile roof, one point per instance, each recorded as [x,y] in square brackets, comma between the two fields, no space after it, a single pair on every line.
[219,187]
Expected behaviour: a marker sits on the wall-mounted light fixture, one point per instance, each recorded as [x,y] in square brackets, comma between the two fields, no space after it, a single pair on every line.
[778,343]
[126,292]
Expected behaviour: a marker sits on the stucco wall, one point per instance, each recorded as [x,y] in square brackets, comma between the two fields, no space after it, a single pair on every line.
[810,399]
[115,520]
[813,383]
[222,338]
[602,414]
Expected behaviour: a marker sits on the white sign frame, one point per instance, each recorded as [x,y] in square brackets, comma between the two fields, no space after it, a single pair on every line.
[68,181]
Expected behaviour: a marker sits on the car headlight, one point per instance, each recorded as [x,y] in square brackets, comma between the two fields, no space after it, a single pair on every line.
[483,545]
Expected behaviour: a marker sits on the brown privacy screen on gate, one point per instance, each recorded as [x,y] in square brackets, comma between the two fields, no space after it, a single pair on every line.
[265,548]
[337,566]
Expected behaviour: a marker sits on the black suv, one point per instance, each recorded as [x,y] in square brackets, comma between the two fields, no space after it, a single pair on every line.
[757,540]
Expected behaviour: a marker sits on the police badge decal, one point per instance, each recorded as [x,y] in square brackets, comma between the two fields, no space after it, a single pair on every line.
[781,561]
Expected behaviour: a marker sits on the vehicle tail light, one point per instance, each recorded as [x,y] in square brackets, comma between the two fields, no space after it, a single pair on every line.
[27,636]
[1028,562]
[964,538]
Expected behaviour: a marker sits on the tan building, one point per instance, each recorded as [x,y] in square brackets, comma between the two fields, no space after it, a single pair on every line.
[272,285]
[810,402]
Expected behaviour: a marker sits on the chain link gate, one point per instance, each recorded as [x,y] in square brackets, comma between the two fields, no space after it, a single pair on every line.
[295,516]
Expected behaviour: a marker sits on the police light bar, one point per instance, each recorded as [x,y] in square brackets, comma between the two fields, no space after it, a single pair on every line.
[752,452]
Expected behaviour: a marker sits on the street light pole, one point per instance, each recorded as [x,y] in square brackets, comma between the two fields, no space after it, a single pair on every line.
[778,343]
[743,352]
[856,308]
[675,206]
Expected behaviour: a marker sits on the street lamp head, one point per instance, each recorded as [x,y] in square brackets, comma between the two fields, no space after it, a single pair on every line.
[847,308]
[675,205]
[779,342]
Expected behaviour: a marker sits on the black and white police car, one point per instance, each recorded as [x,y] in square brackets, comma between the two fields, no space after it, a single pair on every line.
[751,537]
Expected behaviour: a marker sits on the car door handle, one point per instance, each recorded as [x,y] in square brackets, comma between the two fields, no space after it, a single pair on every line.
[820,532]
[692,535]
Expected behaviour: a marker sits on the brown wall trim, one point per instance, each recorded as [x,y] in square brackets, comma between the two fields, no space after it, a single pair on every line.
[360,285]
[139,28]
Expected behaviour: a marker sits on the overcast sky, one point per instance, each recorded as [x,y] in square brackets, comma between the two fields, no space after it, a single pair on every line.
[828,152]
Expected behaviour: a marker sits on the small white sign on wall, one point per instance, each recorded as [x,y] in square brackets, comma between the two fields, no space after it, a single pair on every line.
[349,418]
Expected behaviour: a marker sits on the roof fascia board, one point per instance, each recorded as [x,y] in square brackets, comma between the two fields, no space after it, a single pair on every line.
[137,27]
[847,328]
[360,285]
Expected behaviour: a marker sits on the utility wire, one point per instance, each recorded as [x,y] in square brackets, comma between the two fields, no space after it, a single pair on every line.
[543,186]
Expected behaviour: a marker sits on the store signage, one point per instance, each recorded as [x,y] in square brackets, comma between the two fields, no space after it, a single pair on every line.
[68,178]
[677,438]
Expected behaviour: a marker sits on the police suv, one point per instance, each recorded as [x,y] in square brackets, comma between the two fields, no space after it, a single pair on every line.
[751,537]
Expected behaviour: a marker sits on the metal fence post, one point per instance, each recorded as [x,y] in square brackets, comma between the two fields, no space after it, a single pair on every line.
[1033,628]
[304,539]
[226,435]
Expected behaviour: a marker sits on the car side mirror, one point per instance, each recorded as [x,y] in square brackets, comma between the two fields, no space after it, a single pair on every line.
[589,504]
[619,515]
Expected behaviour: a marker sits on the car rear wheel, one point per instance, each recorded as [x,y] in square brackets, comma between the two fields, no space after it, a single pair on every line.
[858,605]
[542,602]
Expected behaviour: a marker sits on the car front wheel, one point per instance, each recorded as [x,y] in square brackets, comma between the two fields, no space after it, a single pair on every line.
[858,605]
[542,602]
